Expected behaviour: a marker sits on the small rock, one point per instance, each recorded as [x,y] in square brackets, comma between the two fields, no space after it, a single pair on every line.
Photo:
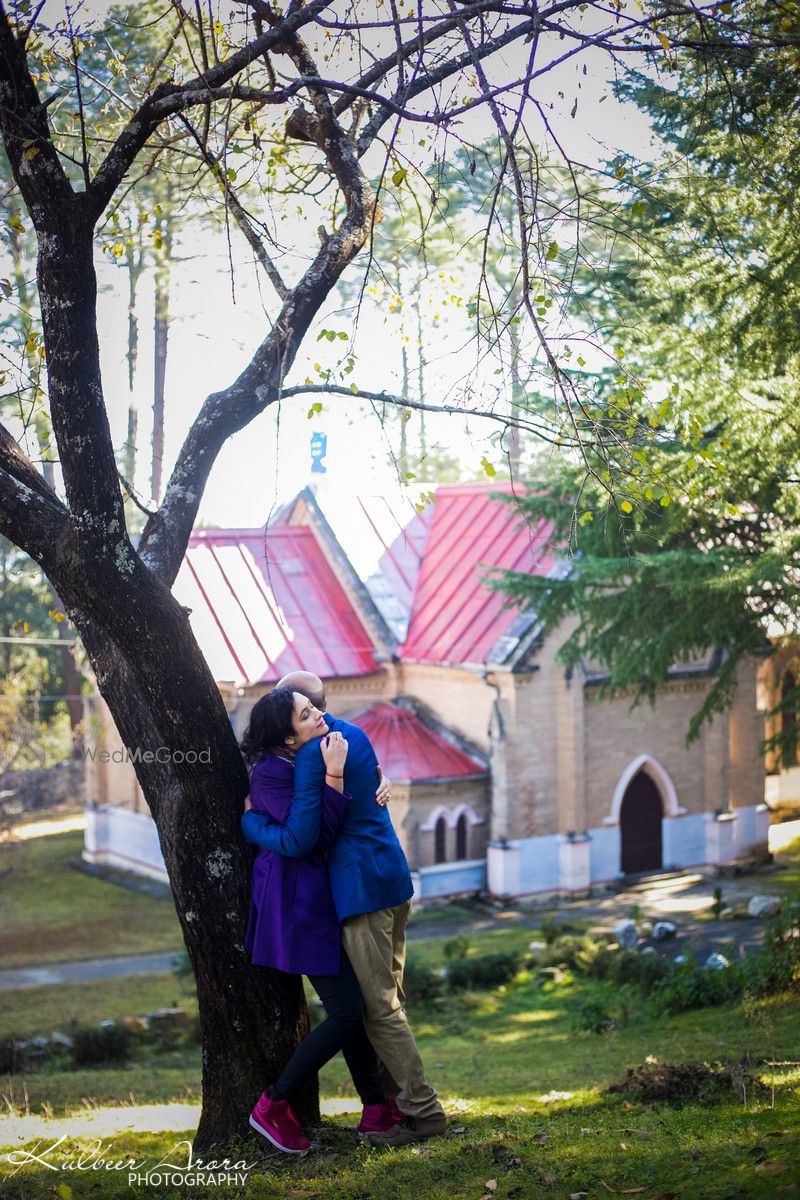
[554,973]
[601,933]
[726,914]
[716,962]
[764,906]
[648,950]
[627,935]
[679,959]
[537,947]
[140,1025]
[108,1024]
[61,1041]
[664,929]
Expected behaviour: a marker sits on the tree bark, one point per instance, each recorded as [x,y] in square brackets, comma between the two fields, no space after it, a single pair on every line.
[160,338]
[251,1018]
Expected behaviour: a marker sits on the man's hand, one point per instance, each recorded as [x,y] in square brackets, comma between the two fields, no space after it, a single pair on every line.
[384,792]
[247,804]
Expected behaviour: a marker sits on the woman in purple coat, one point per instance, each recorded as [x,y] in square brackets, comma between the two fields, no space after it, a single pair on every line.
[293,924]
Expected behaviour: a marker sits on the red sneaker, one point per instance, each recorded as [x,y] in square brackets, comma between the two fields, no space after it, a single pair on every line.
[377,1118]
[275,1121]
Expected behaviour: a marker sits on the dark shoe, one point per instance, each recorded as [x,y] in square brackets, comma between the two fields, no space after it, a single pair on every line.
[410,1129]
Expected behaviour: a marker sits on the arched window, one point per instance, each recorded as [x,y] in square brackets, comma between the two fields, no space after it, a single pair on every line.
[440,836]
[461,836]
[789,730]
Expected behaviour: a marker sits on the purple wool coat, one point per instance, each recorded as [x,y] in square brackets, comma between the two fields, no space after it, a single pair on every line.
[293,924]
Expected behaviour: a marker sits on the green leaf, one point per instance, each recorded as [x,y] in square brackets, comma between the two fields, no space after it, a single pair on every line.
[315,410]
[665,501]
[399,176]
[488,468]
[552,251]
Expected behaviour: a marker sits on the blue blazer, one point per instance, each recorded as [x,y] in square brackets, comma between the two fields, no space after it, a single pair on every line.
[366,863]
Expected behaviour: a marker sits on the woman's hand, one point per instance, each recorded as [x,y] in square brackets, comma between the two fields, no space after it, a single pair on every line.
[384,792]
[247,804]
[334,752]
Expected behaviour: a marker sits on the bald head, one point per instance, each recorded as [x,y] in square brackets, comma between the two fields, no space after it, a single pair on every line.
[310,685]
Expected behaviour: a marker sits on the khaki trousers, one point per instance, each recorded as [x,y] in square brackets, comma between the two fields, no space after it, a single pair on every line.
[376,946]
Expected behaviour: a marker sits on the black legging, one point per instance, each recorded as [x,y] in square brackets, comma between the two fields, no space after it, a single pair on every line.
[342,1029]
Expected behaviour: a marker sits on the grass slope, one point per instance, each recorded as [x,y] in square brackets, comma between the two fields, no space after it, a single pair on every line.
[50,912]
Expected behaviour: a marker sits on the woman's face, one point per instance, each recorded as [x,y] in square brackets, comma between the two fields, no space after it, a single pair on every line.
[307,721]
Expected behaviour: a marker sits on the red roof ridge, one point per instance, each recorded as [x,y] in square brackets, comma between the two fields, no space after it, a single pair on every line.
[409,749]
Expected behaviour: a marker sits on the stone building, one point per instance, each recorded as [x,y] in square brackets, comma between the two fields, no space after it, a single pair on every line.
[510,773]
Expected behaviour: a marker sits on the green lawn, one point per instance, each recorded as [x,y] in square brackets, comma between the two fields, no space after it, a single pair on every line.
[529,1117]
[500,1060]
[51,912]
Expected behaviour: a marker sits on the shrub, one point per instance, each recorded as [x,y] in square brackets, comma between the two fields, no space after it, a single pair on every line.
[777,965]
[92,1047]
[550,929]
[592,1016]
[689,986]
[419,981]
[489,971]
[456,948]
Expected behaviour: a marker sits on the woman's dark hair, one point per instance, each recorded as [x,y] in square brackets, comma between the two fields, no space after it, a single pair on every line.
[270,724]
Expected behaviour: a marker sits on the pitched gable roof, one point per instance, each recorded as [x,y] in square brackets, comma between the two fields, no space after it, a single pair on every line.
[456,618]
[408,749]
[267,603]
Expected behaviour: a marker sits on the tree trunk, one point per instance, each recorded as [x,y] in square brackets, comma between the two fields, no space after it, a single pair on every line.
[252,1018]
[517,396]
[160,336]
[134,271]
[165,703]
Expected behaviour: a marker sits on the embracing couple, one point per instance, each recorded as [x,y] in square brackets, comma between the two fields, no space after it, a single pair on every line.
[331,900]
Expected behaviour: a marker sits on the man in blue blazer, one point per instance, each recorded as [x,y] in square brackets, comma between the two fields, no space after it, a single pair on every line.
[372,890]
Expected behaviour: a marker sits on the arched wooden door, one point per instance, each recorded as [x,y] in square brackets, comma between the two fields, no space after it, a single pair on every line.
[640,826]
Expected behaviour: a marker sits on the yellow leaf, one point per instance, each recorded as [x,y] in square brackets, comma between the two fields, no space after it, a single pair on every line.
[626,506]
[488,468]
[665,42]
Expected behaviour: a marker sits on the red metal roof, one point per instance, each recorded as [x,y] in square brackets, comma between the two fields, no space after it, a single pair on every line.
[408,750]
[455,617]
[264,604]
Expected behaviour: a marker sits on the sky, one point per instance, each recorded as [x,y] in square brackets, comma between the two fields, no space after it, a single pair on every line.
[221,308]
